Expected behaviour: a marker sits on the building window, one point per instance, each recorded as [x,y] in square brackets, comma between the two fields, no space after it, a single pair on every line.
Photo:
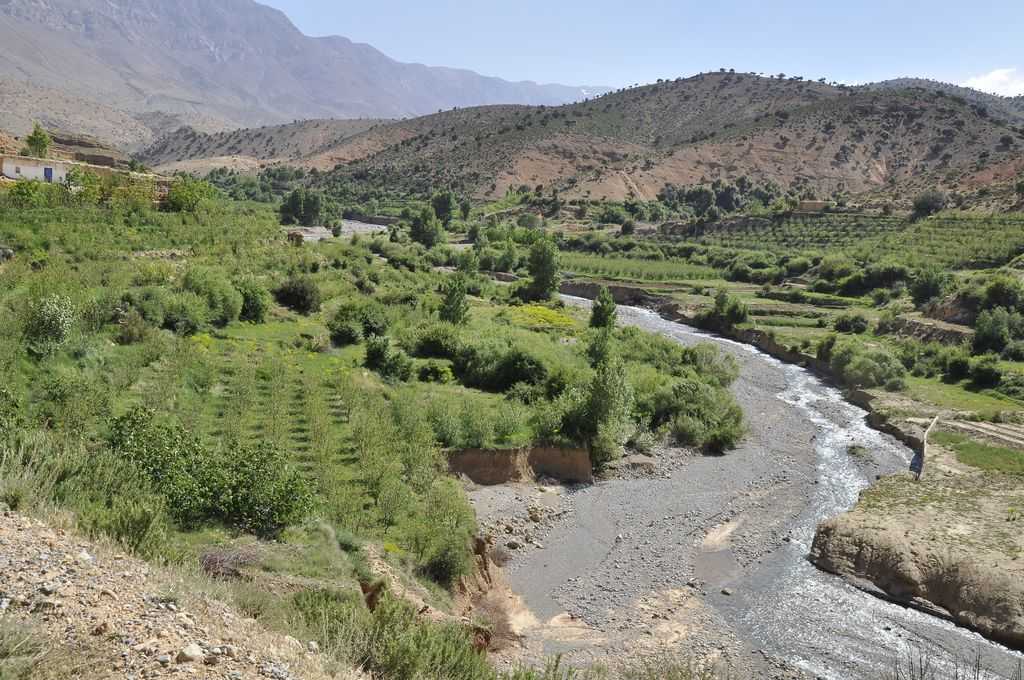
[17,169]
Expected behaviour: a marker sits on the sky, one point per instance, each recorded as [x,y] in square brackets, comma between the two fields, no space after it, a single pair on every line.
[622,42]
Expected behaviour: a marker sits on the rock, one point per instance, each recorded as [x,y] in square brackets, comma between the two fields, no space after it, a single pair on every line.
[513,545]
[49,589]
[190,654]
[84,556]
[727,591]
[102,628]
[230,651]
[313,647]
[164,659]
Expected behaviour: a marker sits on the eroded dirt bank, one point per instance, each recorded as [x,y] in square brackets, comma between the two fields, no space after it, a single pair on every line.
[707,557]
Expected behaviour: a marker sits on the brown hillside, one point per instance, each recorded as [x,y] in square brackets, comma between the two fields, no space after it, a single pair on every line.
[810,135]
[194,151]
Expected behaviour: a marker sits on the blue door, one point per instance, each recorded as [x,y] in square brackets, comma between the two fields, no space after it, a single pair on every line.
[48,174]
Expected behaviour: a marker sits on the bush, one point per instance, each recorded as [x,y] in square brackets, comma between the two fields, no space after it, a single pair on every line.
[48,323]
[985,371]
[851,323]
[496,366]
[185,313]
[255,300]
[299,293]
[392,364]
[865,368]
[253,489]
[958,366]
[929,203]
[929,284]
[435,372]
[222,299]
[454,307]
[994,329]
[346,325]
[187,194]
[435,341]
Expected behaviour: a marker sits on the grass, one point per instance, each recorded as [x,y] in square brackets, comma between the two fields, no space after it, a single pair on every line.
[982,456]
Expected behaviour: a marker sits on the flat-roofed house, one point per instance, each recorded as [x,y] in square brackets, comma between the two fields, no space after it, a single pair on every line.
[42,169]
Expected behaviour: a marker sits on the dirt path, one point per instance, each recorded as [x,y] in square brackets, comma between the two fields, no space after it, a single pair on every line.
[709,560]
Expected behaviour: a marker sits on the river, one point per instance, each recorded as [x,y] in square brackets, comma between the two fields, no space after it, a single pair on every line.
[737,529]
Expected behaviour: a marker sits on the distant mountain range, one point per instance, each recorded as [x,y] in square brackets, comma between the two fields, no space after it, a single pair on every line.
[215,65]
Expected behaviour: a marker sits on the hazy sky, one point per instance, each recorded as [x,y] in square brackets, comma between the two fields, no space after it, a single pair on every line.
[620,42]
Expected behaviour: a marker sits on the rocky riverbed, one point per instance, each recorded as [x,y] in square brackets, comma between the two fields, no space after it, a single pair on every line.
[705,558]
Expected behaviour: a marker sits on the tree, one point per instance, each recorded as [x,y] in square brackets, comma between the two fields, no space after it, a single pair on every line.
[311,208]
[465,208]
[187,194]
[929,203]
[544,269]
[445,206]
[292,208]
[1020,189]
[604,313]
[454,307]
[38,143]
[427,229]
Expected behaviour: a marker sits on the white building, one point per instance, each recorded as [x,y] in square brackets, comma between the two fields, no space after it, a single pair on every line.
[42,169]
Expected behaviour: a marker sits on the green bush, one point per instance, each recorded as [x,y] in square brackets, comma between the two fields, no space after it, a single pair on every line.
[48,323]
[222,299]
[866,368]
[255,300]
[187,194]
[252,489]
[496,366]
[391,363]
[435,341]
[985,371]
[436,372]
[851,323]
[299,293]
[185,313]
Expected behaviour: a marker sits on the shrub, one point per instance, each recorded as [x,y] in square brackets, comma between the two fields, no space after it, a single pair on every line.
[392,364]
[865,368]
[929,203]
[222,299]
[985,371]
[255,300]
[851,323]
[496,366]
[1003,291]
[299,293]
[185,313]
[48,323]
[993,330]
[187,194]
[436,372]
[253,489]
[346,325]
[929,284]
[435,341]
[958,365]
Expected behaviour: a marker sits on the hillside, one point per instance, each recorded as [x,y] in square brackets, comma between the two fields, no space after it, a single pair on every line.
[1011,108]
[190,150]
[231,63]
[811,136]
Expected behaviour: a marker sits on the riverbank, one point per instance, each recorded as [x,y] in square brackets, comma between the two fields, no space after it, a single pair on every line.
[743,524]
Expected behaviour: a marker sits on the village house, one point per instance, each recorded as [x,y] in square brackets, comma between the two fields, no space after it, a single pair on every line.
[42,169]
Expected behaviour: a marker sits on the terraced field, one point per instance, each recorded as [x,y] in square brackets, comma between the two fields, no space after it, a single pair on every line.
[955,240]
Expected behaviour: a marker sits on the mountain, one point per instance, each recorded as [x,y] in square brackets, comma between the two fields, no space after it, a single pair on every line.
[227,63]
[1011,108]
[821,139]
